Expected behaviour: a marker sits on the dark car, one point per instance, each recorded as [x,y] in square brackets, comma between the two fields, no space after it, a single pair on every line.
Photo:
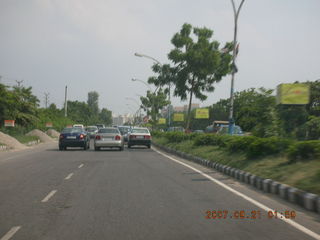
[124,130]
[139,136]
[74,137]
[92,131]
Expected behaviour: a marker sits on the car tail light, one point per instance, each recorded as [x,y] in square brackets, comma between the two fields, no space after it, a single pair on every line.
[98,137]
[147,137]
[81,136]
[61,136]
[117,138]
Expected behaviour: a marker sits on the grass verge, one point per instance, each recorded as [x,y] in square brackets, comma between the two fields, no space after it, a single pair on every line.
[303,175]
[25,139]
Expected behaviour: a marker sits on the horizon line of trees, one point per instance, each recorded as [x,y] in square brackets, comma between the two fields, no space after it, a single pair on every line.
[20,104]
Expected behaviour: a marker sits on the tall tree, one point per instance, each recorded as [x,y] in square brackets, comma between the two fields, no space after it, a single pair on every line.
[197,64]
[93,103]
[153,103]
[105,116]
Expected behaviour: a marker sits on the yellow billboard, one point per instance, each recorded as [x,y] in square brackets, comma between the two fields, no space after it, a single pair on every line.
[202,113]
[178,117]
[293,93]
[162,121]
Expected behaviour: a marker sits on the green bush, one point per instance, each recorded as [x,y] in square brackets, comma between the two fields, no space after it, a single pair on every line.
[240,143]
[206,140]
[175,137]
[306,150]
[267,146]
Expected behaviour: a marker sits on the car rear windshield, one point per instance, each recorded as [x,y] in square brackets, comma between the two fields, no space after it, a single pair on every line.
[108,130]
[140,131]
[72,130]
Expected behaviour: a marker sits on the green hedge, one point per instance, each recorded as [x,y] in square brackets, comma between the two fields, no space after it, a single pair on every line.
[302,151]
[252,146]
[267,146]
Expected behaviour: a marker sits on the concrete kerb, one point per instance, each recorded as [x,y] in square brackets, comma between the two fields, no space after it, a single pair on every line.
[308,200]
[283,191]
[266,185]
[274,187]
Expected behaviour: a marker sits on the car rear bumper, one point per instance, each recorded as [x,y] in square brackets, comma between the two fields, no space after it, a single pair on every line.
[72,143]
[100,143]
[139,142]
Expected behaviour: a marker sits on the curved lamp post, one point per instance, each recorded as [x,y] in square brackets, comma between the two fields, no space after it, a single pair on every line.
[157,61]
[234,70]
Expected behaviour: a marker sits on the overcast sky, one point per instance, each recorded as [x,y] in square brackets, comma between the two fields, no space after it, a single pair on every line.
[89,45]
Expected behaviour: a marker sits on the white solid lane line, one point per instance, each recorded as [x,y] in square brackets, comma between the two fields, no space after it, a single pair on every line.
[69,176]
[11,233]
[46,199]
[81,165]
[258,204]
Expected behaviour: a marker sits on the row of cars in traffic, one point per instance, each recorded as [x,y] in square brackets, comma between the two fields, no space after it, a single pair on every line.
[104,137]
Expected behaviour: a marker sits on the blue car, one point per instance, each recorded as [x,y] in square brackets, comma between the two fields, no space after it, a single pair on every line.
[74,137]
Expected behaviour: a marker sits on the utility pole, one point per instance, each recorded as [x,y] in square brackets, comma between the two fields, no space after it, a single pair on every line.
[46,98]
[234,67]
[65,101]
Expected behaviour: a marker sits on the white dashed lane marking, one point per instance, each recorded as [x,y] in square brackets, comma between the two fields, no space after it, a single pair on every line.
[46,199]
[10,234]
[69,176]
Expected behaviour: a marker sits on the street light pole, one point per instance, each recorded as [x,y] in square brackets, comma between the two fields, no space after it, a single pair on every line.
[234,68]
[155,60]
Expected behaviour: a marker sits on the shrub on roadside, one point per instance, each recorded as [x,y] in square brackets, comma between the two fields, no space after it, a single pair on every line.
[240,143]
[267,146]
[302,151]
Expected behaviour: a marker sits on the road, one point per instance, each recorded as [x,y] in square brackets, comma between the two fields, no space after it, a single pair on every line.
[135,194]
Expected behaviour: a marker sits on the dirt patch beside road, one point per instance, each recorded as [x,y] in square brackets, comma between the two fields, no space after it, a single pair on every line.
[43,137]
[53,133]
[11,142]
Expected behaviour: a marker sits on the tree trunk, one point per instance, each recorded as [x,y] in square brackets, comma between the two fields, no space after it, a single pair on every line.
[189,112]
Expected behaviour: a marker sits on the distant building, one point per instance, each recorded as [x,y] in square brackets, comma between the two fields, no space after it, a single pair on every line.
[122,119]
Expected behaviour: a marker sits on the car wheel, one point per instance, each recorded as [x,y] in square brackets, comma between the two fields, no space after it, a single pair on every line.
[61,148]
[96,148]
[149,146]
[129,146]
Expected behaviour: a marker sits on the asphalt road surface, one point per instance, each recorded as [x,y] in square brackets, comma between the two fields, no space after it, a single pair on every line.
[138,193]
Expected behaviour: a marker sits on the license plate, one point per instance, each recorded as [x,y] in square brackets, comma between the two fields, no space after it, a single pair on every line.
[140,137]
[71,137]
[107,139]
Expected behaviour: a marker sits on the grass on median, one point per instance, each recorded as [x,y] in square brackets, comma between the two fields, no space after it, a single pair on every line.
[303,175]
[25,139]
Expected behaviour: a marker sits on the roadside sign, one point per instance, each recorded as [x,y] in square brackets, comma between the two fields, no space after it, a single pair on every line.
[202,113]
[162,121]
[293,94]
[49,125]
[178,117]
[9,123]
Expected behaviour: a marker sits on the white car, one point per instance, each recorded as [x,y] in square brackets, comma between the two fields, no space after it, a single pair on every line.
[78,126]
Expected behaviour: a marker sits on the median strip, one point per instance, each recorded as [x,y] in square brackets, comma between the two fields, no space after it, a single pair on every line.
[10,234]
[46,199]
